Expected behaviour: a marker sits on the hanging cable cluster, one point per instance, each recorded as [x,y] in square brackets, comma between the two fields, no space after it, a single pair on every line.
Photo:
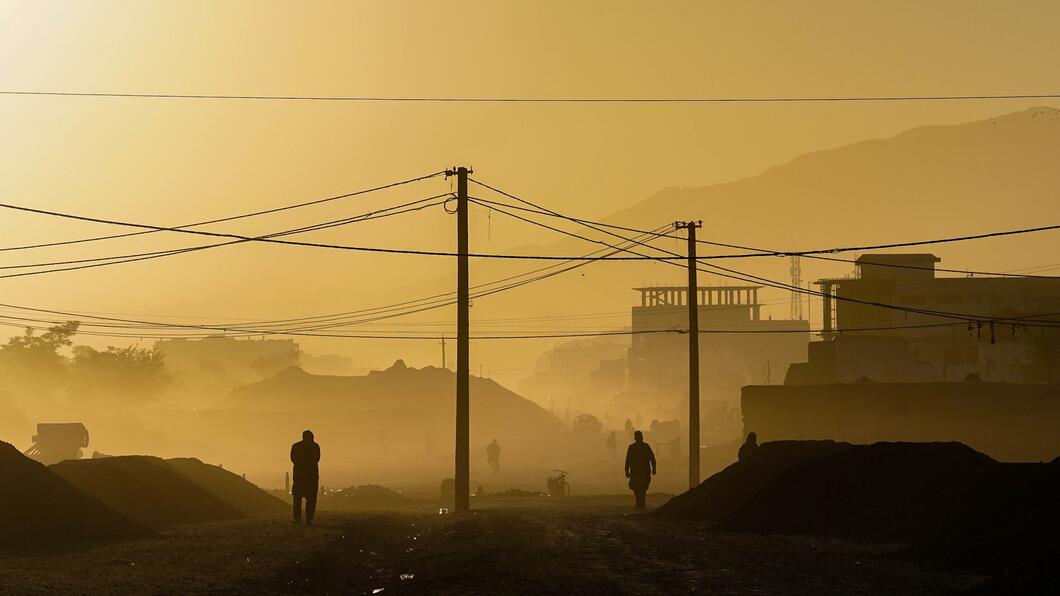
[622,243]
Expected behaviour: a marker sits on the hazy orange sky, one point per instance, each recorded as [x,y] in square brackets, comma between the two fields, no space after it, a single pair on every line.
[174,161]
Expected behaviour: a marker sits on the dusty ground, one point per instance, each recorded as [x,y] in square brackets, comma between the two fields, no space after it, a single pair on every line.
[586,546]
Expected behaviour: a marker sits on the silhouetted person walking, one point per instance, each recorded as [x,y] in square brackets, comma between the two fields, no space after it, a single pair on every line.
[640,467]
[612,445]
[749,447]
[305,455]
[493,456]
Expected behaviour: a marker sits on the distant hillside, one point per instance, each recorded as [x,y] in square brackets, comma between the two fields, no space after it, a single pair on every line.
[925,182]
[408,394]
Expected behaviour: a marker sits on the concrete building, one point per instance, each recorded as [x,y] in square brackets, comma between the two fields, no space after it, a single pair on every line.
[734,351]
[863,341]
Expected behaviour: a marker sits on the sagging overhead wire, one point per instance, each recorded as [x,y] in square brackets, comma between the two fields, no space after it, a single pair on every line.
[308,244]
[313,326]
[478,255]
[763,252]
[538,100]
[233,217]
[436,337]
[748,278]
[408,207]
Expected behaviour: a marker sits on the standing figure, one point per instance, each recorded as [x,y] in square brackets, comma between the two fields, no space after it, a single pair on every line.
[493,456]
[612,445]
[748,449]
[640,467]
[305,455]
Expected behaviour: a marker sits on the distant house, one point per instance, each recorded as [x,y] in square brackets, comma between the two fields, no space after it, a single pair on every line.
[920,342]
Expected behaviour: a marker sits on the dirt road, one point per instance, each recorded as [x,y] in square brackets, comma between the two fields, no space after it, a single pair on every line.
[586,546]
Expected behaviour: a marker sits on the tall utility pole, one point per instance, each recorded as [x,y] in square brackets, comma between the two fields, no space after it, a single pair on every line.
[463,363]
[443,352]
[693,352]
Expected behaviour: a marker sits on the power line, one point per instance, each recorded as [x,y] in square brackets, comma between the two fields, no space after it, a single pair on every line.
[433,302]
[182,230]
[816,254]
[484,255]
[745,277]
[416,205]
[604,333]
[966,317]
[541,100]
[529,318]
[813,254]
[435,337]
[380,313]
[587,258]
[235,217]
[444,299]
[308,332]
[732,274]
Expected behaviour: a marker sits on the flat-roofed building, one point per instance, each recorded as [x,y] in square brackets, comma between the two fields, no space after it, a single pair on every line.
[895,321]
[735,347]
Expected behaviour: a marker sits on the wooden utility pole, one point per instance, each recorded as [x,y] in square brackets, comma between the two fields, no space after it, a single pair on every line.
[693,353]
[463,364]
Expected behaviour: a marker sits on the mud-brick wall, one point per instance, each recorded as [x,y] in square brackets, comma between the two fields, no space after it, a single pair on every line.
[1006,421]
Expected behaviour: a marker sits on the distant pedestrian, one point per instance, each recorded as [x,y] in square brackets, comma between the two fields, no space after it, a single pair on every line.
[612,445]
[640,467]
[305,455]
[493,456]
[749,447]
[674,447]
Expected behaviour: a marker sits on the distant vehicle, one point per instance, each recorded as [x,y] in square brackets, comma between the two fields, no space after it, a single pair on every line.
[55,442]
[587,424]
[664,431]
[557,485]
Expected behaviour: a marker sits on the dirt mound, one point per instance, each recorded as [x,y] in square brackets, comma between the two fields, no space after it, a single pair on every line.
[1012,534]
[234,490]
[958,509]
[146,490]
[1039,575]
[885,491]
[41,508]
[725,492]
